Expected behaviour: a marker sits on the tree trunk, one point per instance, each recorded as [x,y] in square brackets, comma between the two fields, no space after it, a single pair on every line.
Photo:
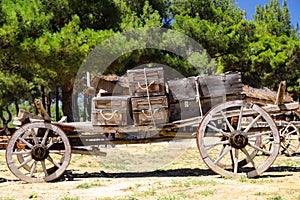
[57,104]
[17,107]
[48,104]
[75,107]
[43,96]
[67,102]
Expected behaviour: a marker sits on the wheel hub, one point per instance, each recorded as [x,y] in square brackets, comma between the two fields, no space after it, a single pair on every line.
[39,152]
[238,139]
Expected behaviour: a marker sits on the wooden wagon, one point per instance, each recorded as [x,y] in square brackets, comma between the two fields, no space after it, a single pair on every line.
[235,136]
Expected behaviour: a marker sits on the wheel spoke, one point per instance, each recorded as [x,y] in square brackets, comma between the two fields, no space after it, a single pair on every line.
[292,139]
[248,157]
[259,149]
[240,119]
[35,140]
[25,142]
[50,144]
[21,152]
[252,123]
[218,130]
[236,161]
[258,134]
[289,133]
[291,145]
[227,122]
[210,146]
[223,154]
[222,150]
[45,137]
[44,167]
[24,163]
[53,162]
[33,167]
[61,152]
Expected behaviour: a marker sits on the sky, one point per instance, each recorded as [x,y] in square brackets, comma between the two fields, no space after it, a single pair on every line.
[250,5]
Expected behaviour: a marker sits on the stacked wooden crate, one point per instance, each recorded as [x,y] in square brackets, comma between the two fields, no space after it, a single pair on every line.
[149,101]
[187,93]
[111,110]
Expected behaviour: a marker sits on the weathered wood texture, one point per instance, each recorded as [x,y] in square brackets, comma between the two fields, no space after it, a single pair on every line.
[265,95]
[152,110]
[38,103]
[280,94]
[208,86]
[210,90]
[111,110]
[147,81]
[102,85]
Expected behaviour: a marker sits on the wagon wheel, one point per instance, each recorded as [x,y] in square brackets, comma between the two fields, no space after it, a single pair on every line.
[38,152]
[22,157]
[223,146]
[290,139]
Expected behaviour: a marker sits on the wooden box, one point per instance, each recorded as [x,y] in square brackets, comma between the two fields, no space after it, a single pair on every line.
[220,85]
[144,114]
[187,108]
[111,110]
[144,117]
[141,79]
[208,86]
[180,89]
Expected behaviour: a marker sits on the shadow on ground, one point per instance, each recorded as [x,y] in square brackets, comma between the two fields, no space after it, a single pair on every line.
[69,175]
[185,172]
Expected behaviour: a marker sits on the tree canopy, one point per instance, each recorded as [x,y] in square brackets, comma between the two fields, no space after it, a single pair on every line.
[44,43]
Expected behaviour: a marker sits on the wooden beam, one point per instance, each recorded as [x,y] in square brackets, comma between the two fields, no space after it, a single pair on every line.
[280,94]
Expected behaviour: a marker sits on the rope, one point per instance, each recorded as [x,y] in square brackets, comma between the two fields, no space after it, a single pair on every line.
[145,88]
[107,118]
[148,97]
[149,116]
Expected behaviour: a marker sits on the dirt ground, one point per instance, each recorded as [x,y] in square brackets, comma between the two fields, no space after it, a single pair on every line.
[186,177]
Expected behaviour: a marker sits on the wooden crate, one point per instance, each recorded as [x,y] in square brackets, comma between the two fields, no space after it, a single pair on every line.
[181,89]
[208,86]
[143,114]
[220,85]
[140,103]
[144,117]
[152,77]
[111,110]
[187,108]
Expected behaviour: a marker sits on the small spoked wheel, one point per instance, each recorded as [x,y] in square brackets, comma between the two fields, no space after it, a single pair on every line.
[38,152]
[290,139]
[231,139]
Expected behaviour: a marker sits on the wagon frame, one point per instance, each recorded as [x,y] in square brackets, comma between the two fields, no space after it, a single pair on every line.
[234,138]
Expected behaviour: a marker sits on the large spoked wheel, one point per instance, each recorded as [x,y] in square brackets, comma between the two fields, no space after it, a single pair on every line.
[231,139]
[290,139]
[38,152]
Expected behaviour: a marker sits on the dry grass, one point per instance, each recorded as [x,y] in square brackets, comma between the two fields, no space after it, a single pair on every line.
[185,178]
